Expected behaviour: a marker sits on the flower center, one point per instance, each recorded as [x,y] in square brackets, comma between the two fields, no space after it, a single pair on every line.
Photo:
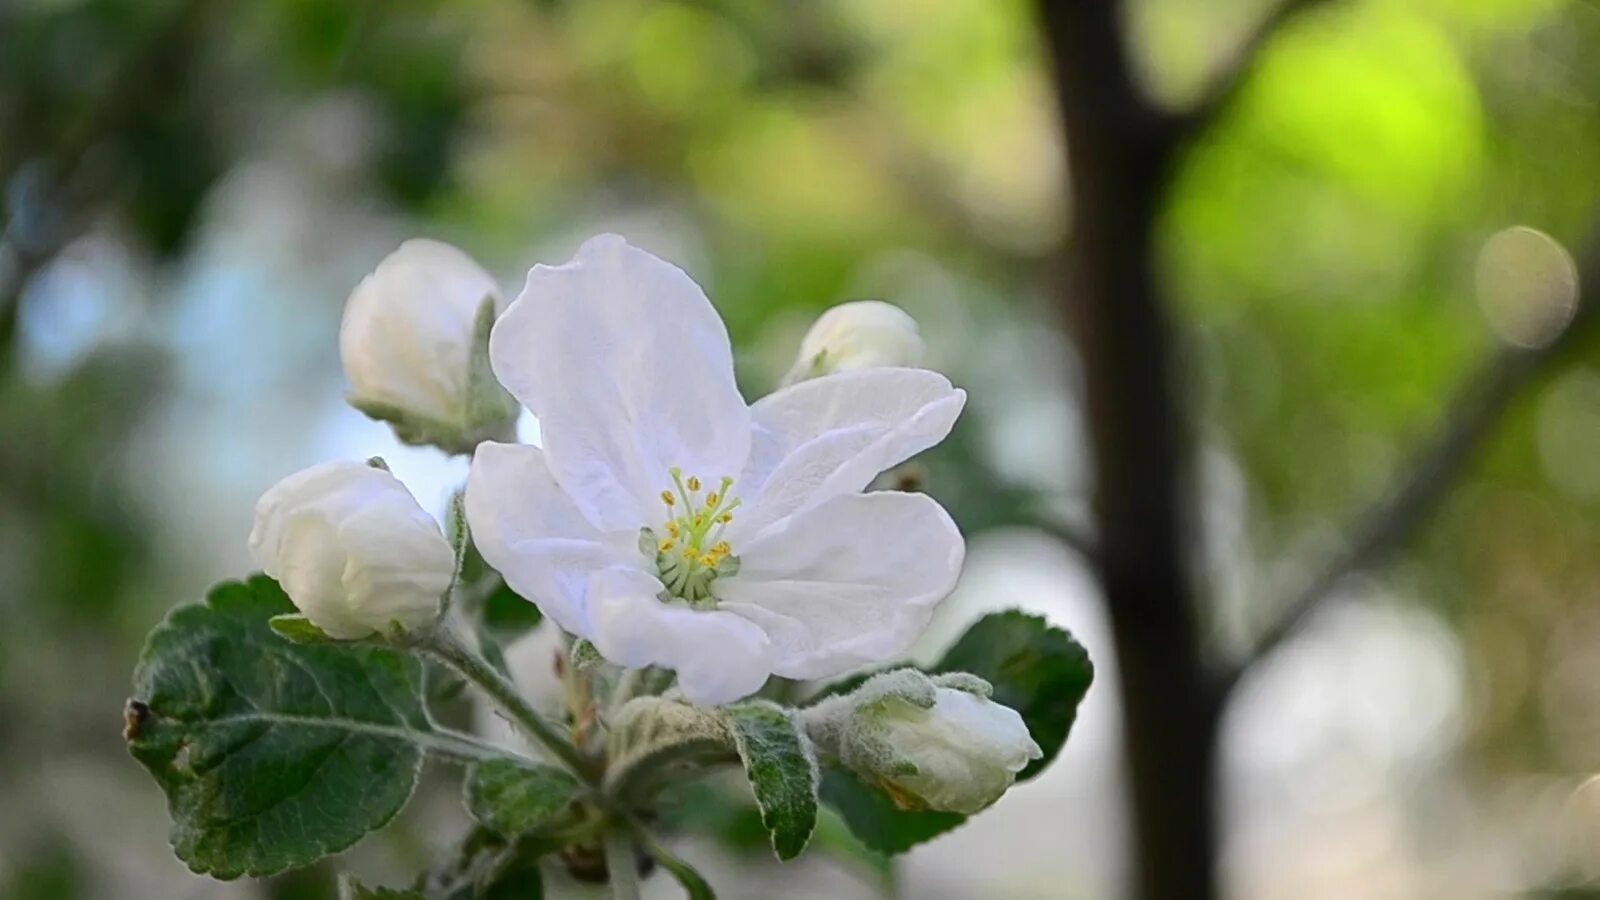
[689,551]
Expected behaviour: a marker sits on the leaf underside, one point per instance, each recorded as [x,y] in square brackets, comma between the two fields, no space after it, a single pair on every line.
[272,754]
[782,768]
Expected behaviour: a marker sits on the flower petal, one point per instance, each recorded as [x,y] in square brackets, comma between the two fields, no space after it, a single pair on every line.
[317,485]
[832,435]
[628,368]
[719,657]
[850,581]
[529,530]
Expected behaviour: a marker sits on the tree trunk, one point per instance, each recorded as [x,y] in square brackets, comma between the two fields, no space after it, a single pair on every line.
[1119,152]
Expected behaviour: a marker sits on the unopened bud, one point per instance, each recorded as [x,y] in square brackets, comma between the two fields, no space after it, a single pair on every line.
[862,334]
[414,342]
[929,743]
[353,550]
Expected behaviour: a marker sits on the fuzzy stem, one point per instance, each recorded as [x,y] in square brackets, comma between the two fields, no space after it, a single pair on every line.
[620,864]
[450,650]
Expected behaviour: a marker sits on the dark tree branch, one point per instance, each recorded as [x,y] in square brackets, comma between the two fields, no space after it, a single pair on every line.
[1229,83]
[1477,409]
[1119,162]
[1072,537]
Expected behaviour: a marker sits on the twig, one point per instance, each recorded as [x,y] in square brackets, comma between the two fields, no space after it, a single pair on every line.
[463,748]
[1226,86]
[621,866]
[1478,407]
[1073,537]
[691,880]
[452,652]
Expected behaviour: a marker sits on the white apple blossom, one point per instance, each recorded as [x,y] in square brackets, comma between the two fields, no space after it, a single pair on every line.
[861,334]
[411,346]
[673,524]
[353,550]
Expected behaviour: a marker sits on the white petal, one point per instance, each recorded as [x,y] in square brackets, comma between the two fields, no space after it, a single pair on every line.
[280,501]
[628,368]
[719,657]
[406,336]
[310,567]
[851,581]
[832,435]
[530,530]
[401,572]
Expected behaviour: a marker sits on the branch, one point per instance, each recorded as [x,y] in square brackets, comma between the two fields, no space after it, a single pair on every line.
[1477,409]
[1119,165]
[1072,537]
[1235,74]
[449,649]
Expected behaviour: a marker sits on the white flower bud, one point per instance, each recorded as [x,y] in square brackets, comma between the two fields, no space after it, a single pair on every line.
[353,550]
[967,749]
[937,743]
[862,334]
[414,342]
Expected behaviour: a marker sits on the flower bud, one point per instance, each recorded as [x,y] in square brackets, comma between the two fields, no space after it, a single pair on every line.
[930,743]
[862,334]
[353,550]
[414,342]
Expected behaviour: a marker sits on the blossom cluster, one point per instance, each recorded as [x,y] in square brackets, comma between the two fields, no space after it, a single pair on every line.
[663,518]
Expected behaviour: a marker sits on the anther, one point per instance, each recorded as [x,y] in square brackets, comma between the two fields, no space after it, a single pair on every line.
[668,499]
[694,482]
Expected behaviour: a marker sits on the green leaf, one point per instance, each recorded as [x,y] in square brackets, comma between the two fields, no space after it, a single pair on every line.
[519,798]
[297,628]
[1034,668]
[782,767]
[523,882]
[351,889]
[272,754]
[508,615]
[876,820]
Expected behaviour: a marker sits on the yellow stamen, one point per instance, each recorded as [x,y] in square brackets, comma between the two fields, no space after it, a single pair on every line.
[725,518]
[672,529]
[668,545]
[668,499]
[712,499]
[694,483]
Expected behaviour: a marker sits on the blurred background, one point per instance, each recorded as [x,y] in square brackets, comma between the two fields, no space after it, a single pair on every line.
[191,189]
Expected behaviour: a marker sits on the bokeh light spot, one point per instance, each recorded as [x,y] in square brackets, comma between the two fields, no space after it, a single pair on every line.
[1527,286]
